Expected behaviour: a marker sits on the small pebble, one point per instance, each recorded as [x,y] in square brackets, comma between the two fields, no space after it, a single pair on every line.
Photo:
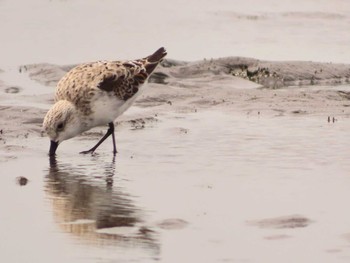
[21,180]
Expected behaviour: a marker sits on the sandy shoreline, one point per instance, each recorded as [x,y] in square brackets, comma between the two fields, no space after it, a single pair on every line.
[233,85]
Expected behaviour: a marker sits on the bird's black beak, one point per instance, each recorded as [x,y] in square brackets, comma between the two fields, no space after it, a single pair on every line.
[53,148]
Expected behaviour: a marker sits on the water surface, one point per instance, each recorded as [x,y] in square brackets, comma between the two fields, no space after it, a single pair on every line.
[191,187]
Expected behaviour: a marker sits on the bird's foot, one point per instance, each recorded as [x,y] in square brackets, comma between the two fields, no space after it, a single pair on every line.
[88,151]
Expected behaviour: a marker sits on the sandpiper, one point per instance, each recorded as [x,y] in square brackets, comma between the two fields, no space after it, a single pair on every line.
[95,94]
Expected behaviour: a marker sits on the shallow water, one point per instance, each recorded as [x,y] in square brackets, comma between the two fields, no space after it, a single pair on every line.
[200,187]
[63,32]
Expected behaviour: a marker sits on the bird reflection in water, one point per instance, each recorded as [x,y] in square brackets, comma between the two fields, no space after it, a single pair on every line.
[90,205]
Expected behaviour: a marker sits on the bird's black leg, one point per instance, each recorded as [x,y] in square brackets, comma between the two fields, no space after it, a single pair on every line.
[109,132]
[114,146]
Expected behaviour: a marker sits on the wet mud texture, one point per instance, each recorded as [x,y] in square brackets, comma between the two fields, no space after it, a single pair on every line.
[232,84]
[268,74]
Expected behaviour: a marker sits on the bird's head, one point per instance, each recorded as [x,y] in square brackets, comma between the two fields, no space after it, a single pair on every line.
[61,123]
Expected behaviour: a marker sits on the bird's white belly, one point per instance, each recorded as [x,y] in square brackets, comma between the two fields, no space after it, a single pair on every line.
[106,108]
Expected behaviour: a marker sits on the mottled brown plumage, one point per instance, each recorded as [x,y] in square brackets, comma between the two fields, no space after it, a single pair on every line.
[96,93]
[122,77]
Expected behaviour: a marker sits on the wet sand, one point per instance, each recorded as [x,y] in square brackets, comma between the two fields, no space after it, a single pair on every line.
[230,159]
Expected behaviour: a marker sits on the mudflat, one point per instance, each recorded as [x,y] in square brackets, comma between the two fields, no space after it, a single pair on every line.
[223,159]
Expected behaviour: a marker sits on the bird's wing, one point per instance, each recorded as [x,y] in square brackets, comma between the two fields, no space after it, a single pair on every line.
[128,76]
[125,80]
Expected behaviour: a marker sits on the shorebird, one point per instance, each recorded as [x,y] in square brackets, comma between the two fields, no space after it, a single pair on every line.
[95,94]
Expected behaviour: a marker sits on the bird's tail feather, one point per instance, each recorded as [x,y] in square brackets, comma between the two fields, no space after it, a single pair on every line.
[153,60]
[157,56]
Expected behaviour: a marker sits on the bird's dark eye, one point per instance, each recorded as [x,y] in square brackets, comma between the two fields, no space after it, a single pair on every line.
[60,127]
